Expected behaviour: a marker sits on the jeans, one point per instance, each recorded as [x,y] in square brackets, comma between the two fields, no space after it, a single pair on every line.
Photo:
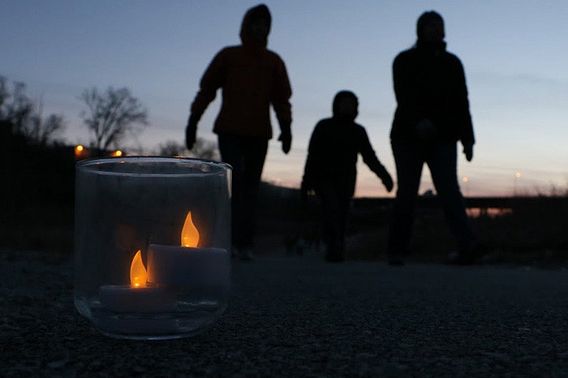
[246,155]
[336,201]
[442,161]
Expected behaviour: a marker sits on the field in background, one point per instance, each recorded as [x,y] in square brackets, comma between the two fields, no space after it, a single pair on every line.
[519,229]
[37,214]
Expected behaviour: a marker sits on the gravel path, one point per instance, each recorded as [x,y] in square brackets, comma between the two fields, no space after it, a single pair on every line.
[301,317]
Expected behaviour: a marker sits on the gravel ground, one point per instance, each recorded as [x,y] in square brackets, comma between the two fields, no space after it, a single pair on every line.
[293,316]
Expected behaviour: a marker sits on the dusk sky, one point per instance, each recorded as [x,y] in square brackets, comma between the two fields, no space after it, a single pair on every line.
[515,55]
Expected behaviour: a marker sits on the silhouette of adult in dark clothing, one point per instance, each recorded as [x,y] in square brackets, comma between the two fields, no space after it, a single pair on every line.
[251,78]
[432,114]
[331,171]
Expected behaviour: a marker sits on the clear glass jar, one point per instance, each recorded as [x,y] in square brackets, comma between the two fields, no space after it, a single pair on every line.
[152,245]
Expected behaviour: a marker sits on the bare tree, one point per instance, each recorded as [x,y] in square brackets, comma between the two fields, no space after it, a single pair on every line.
[202,149]
[43,130]
[172,148]
[15,107]
[25,116]
[112,115]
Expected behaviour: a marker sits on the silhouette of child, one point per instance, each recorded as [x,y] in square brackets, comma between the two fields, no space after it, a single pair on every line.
[331,170]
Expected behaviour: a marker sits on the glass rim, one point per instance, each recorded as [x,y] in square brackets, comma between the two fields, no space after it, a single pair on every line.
[88,165]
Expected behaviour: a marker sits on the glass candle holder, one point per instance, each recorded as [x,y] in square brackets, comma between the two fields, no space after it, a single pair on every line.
[152,245]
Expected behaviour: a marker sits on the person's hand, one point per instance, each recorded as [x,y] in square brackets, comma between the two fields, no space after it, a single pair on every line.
[468,151]
[190,133]
[387,182]
[286,139]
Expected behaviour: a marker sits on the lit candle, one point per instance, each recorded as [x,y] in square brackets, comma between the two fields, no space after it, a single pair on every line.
[188,266]
[139,296]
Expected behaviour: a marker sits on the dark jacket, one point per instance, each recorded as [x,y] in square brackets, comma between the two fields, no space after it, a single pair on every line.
[251,78]
[429,83]
[332,155]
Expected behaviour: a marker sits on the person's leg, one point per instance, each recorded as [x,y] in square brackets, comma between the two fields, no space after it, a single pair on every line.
[443,167]
[409,161]
[344,207]
[331,221]
[326,216]
[231,150]
[254,154]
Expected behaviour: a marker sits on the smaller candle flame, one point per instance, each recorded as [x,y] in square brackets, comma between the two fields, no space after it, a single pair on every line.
[138,274]
[189,233]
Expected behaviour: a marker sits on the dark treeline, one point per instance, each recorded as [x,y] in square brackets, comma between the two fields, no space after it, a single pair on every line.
[37,213]
[36,192]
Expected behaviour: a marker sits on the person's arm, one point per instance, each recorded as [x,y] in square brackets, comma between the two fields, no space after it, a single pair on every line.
[466,132]
[412,109]
[212,80]
[280,99]
[313,161]
[404,89]
[370,158]
[399,82]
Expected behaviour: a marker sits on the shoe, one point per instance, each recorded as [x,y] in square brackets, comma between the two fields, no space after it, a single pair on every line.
[245,254]
[465,256]
[396,257]
[334,257]
[395,260]
[456,258]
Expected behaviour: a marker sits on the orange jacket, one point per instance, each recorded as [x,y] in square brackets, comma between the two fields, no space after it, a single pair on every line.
[251,78]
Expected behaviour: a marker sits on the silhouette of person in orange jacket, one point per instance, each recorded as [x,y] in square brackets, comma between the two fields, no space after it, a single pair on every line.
[251,78]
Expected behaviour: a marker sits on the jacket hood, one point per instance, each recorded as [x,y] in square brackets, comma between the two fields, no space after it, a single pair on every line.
[251,37]
[426,18]
[341,95]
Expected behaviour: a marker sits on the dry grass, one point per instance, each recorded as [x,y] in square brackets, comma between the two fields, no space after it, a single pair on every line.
[535,233]
[531,233]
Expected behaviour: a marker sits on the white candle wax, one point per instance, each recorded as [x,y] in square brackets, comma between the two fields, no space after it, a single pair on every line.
[121,298]
[187,266]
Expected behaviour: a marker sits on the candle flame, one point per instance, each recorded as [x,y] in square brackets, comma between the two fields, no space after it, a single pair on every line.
[189,233]
[138,273]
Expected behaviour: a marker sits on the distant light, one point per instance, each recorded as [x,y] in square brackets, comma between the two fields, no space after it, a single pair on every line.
[80,151]
[117,153]
[518,174]
[465,179]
